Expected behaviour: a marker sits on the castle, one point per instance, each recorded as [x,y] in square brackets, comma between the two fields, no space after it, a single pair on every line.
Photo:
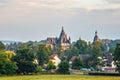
[62,41]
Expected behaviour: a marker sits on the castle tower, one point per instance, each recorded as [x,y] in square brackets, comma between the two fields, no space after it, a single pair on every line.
[63,40]
[96,38]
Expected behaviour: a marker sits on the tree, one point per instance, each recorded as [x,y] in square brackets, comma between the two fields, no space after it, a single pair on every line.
[63,67]
[72,51]
[97,51]
[81,46]
[6,65]
[112,49]
[39,68]
[2,46]
[24,60]
[10,54]
[117,57]
[77,63]
[50,65]
[42,53]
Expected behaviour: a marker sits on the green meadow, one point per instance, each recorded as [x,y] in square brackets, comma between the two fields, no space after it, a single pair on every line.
[58,77]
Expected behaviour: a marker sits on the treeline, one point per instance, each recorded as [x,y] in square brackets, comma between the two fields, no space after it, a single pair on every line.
[28,59]
[33,58]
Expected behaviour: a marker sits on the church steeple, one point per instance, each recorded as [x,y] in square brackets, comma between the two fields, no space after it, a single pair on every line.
[96,33]
[96,38]
[62,30]
[79,38]
[62,33]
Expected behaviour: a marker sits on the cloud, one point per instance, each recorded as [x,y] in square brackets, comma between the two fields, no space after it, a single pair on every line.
[52,4]
[4,1]
[70,4]
[61,4]
[113,1]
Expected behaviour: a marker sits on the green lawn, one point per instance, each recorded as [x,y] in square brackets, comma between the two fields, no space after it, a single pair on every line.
[58,77]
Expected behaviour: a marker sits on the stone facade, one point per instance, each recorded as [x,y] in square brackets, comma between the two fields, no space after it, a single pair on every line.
[63,41]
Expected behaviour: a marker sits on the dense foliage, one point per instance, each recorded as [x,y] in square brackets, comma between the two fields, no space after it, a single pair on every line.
[24,60]
[43,56]
[6,65]
[50,65]
[63,67]
[2,46]
[77,63]
[81,46]
[117,57]
[31,57]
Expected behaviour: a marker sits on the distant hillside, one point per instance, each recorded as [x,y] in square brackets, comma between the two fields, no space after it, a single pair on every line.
[9,41]
[111,42]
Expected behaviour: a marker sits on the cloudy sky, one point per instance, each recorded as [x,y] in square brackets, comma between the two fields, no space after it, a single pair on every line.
[25,20]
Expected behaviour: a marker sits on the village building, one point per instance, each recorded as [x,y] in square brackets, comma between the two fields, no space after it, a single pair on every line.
[55,59]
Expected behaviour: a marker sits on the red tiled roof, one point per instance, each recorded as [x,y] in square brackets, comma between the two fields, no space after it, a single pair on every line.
[53,55]
[73,58]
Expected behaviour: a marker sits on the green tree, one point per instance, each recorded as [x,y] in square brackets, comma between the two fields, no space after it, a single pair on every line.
[6,65]
[97,51]
[112,49]
[81,46]
[22,46]
[2,46]
[117,57]
[72,51]
[63,67]
[10,54]
[24,60]
[77,63]
[50,65]
[89,48]
[43,54]
[39,68]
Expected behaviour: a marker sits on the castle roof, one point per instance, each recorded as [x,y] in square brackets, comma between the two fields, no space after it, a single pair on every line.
[63,37]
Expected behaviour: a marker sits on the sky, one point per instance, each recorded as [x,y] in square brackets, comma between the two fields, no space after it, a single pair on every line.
[24,20]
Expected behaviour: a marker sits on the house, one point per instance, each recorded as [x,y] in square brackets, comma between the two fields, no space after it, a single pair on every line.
[84,58]
[35,61]
[72,59]
[55,59]
[109,69]
[108,59]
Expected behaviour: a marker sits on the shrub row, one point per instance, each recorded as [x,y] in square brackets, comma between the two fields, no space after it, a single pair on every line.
[103,74]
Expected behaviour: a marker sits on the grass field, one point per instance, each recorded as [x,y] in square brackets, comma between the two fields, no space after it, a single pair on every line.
[58,77]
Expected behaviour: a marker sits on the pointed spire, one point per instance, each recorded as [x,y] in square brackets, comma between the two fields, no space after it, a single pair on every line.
[62,29]
[96,38]
[96,32]
[69,38]
[79,38]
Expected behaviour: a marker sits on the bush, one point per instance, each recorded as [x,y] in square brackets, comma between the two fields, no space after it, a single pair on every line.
[63,67]
[8,68]
[103,74]
[50,66]
[117,57]
[39,69]
[77,64]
